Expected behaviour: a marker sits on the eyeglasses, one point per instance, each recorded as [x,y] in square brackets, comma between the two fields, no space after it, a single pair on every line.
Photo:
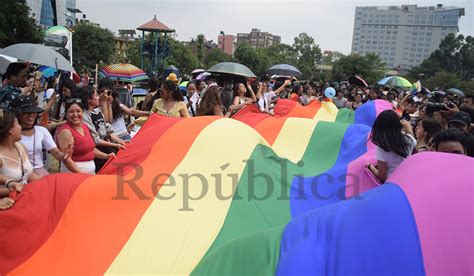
[73,100]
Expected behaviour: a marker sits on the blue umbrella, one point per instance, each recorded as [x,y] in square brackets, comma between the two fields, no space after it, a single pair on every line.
[47,71]
[284,70]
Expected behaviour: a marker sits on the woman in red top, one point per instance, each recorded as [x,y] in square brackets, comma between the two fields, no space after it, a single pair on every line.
[75,133]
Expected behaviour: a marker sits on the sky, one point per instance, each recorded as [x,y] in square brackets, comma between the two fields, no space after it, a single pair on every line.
[329,22]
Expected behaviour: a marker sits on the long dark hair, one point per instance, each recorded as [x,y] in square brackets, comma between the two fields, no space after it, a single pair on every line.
[387,134]
[7,119]
[153,85]
[431,126]
[117,111]
[174,90]
[85,93]
[64,81]
[236,90]
[209,101]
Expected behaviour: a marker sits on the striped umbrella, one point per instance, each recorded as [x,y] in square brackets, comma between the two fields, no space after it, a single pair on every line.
[395,82]
[123,71]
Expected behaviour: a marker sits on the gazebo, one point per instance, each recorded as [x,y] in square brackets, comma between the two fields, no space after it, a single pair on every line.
[157,46]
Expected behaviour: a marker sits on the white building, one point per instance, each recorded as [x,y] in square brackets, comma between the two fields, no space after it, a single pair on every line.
[403,36]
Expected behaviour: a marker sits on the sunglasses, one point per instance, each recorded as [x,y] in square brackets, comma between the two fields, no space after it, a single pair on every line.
[73,100]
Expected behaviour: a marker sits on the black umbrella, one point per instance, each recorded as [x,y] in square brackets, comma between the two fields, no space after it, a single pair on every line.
[284,70]
[358,81]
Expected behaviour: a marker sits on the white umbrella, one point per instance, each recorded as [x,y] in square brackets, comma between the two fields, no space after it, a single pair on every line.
[38,54]
[5,61]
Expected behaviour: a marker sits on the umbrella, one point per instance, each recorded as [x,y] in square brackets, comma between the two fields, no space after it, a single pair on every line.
[5,61]
[197,71]
[50,72]
[123,71]
[47,71]
[203,76]
[232,68]
[395,82]
[358,81]
[38,54]
[284,70]
[456,91]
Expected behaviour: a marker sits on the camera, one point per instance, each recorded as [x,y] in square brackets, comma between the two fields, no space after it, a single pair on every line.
[433,107]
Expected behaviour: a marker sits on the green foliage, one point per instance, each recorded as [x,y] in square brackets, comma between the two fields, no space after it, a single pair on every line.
[281,54]
[308,54]
[455,54]
[370,67]
[92,44]
[16,26]
[134,54]
[200,47]
[250,57]
[467,87]
[443,80]
[215,56]
[181,57]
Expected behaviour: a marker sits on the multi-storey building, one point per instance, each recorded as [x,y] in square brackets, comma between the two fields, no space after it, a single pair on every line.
[258,39]
[403,36]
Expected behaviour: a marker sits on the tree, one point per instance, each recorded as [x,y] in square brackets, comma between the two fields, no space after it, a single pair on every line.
[370,67]
[281,54]
[443,80]
[254,59]
[134,54]
[215,56]
[182,57]
[16,26]
[200,47]
[455,54]
[308,54]
[92,44]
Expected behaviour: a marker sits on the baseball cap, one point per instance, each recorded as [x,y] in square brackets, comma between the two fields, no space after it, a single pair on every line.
[461,117]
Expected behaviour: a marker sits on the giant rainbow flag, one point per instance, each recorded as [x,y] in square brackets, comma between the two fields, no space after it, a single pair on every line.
[253,195]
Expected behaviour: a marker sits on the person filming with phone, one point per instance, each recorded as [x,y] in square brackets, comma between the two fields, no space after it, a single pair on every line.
[394,140]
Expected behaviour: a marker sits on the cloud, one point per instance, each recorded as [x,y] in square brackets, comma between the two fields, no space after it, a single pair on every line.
[330,23]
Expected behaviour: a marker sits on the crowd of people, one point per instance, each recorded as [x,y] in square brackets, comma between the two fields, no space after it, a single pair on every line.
[82,126]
